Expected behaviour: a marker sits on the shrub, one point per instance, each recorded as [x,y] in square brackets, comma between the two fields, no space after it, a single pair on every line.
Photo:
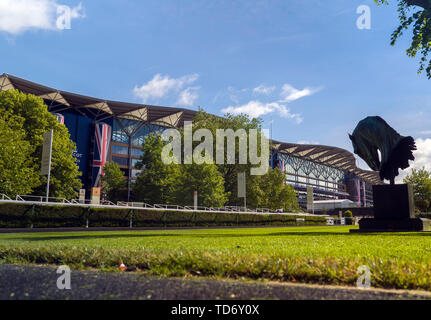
[23,216]
[348,214]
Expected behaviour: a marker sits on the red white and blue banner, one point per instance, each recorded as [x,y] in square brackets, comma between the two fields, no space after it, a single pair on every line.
[281,165]
[101,151]
[358,190]
[60,118]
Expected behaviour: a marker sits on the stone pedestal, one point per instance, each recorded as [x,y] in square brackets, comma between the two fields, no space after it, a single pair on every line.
[393,211]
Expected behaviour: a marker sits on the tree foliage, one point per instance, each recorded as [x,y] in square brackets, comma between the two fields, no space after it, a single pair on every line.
[16,174]
[158,182]
[31,119]
[415,14]
[230,172]
[420,180]
[270,191]
[206,180]
[175,184]
[113,182]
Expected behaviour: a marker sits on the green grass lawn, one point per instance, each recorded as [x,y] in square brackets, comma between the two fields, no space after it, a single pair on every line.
[304,254]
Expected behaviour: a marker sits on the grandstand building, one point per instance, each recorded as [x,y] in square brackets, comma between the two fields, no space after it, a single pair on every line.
[106,131]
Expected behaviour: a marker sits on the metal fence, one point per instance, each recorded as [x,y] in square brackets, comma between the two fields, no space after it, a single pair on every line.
[43,200]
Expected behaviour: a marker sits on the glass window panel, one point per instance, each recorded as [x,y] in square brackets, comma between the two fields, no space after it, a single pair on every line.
[121,161]
[144,131]
[137,152]
[120,150]
[134,162]
[118,135]
[135,173]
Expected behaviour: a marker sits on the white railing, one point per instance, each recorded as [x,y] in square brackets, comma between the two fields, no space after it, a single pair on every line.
[42,200]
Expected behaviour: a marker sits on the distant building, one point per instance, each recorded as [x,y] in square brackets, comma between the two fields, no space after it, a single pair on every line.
[328,205]
[114,131]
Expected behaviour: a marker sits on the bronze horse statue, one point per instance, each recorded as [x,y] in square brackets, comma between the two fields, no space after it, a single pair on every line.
[372,134]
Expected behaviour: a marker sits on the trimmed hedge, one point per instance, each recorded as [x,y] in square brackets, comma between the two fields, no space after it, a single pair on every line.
[38,216]
[426,215]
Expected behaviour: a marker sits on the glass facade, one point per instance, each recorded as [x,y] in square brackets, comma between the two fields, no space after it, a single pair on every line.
[118,135]
[327,182]
[135,132]
[120,150]
[137,152]
[144,131]
[120,160]
[131,129]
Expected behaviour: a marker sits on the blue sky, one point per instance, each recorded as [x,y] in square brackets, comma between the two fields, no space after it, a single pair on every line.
[302,64]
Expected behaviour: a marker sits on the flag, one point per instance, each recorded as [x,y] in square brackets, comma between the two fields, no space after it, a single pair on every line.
[101,150]
[60,118]
[358,190]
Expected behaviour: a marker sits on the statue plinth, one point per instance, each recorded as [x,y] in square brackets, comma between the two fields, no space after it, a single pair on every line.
[393,211]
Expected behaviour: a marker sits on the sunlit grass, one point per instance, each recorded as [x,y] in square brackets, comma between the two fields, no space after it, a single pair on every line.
[309,254]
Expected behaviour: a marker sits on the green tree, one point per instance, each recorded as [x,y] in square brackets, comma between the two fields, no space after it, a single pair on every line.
[270,191]
[206,180]
[16,173]
[230,172]
[158,182]
[36,120]
[113,182]
[420,180]
[415,14]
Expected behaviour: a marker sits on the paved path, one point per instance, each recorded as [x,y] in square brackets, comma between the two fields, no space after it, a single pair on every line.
[34,282]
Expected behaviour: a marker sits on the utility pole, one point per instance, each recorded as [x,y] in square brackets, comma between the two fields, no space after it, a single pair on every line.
[242,188]
[46,158]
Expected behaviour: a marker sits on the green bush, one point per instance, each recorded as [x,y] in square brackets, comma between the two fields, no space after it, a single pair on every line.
[23,216]
[426,215]
[348,214]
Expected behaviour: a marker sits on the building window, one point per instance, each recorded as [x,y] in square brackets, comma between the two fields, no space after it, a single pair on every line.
[137,152]
[134,162]
[121,161]
[120,150]
[143,132]
[118,135]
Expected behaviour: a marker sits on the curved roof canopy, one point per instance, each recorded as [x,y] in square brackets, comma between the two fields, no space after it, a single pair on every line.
[100,109]
[330,156]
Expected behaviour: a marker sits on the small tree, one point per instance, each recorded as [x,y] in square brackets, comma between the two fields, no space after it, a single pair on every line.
[158,182]
[230,172]
[348,214]
[204,178]
[420,180]
[270,191]
[113,182]
[34,120]
[16,173]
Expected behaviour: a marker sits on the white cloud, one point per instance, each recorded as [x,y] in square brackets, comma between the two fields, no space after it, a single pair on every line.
[289,93]
[256,109]
[160,86]
[308,142]
[17,16]
[422,154]
[264,90]
[188,97]
[422,158]
[425,133]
